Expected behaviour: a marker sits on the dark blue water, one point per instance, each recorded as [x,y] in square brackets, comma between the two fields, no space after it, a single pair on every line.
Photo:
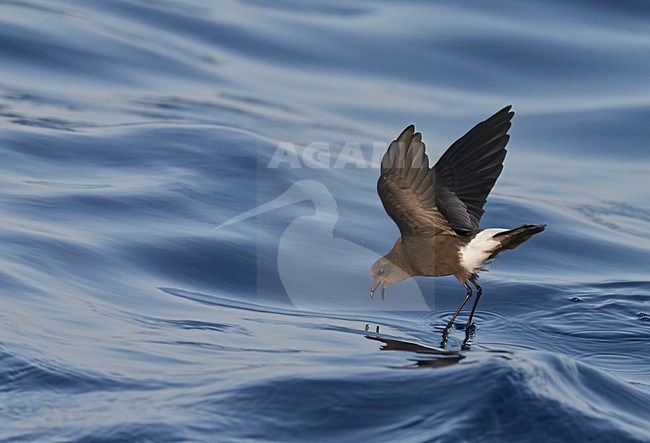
[130,131]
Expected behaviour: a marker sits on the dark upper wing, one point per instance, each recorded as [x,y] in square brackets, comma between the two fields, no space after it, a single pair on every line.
[466,173]
[406,186]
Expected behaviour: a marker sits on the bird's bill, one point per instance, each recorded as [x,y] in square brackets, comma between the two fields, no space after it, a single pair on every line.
[374,287]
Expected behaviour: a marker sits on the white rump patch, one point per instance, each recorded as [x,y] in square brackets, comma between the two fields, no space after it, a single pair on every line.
[475,254]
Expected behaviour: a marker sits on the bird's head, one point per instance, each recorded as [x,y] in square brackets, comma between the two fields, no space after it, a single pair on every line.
[384,273]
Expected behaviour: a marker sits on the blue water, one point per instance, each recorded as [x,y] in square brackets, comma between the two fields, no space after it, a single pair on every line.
[131,130]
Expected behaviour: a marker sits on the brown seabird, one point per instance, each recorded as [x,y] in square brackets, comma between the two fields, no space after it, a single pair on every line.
[438,210]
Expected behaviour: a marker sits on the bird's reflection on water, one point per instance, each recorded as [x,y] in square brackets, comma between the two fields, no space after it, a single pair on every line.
[428,356]
[368,328]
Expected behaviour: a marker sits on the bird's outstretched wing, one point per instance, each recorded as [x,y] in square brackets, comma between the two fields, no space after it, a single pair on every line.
[406,187]
[467,171]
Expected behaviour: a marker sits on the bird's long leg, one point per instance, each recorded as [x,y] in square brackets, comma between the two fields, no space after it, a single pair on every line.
[451,322]
[479,291]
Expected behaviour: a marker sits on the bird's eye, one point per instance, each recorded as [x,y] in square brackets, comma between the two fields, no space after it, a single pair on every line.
[381,271]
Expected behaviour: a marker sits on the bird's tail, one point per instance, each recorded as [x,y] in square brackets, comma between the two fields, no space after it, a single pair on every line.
[514,237]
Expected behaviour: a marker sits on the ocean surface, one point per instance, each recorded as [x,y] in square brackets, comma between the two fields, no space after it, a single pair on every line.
[189,214]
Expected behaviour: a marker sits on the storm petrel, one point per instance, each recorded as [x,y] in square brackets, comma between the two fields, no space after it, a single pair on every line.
[438,210]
